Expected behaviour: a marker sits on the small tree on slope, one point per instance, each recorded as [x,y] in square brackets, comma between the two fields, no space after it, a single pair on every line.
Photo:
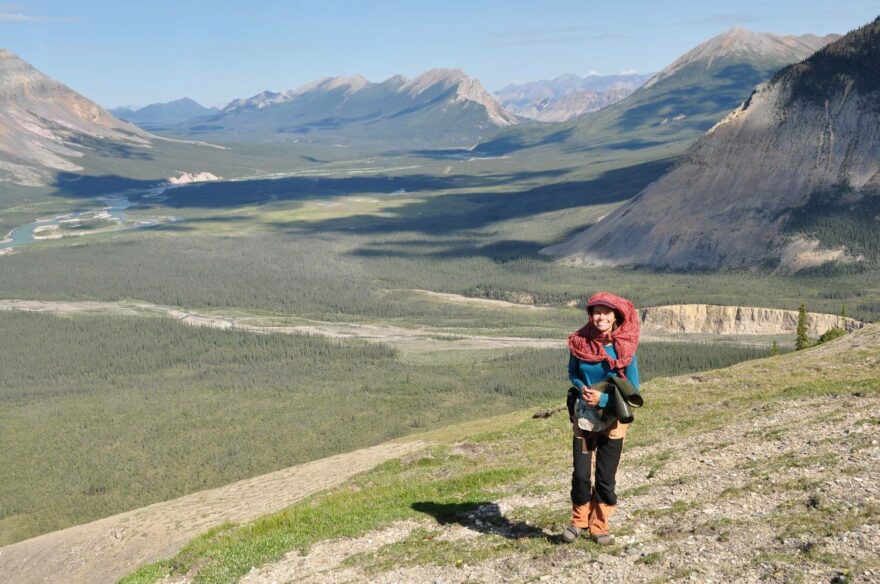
[802,341]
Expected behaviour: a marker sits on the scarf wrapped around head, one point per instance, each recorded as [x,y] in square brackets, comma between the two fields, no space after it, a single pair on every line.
[586,343]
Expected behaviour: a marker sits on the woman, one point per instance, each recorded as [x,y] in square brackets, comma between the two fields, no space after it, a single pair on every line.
[605,346]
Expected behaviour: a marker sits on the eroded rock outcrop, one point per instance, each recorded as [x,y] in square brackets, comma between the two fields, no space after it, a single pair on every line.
[186,178]
[738,320]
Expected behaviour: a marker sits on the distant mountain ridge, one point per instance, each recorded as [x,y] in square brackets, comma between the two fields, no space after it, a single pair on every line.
[743,44]
[162,114]
[439,106]
[789,180]
[567,96]
[45,126]
[677,104]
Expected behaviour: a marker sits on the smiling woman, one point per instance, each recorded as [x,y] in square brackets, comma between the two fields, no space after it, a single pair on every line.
[605,346]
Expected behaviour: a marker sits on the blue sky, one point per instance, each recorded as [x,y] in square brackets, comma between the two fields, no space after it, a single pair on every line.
[138,52]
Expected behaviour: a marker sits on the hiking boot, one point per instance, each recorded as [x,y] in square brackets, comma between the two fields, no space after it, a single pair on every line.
[571,533]
[603,539]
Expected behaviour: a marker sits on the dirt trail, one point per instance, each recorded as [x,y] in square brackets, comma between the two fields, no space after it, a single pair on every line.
[487,302]
[410,339]
[107,549]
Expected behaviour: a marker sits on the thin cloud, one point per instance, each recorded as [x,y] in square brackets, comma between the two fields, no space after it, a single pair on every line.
[15,17]
[16,12]
[726,19]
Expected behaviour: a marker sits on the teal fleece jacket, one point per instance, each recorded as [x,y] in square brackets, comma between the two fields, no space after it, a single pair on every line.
[584,373]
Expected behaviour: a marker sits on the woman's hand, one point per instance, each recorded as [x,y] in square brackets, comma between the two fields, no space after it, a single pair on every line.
[591,396]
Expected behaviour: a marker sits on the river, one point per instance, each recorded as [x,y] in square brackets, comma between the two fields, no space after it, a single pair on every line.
[116,205]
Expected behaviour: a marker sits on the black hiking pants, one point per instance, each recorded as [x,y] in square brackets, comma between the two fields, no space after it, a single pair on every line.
[607,454]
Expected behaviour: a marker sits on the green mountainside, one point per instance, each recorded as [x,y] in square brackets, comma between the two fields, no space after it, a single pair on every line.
[678,104]
[850,64]
[178,409]
[441,107]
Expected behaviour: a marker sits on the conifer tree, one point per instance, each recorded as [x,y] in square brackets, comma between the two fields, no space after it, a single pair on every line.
[774,348]
[802,341]
[843,311]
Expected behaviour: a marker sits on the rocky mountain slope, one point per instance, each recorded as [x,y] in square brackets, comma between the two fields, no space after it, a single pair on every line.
[441,106]
[764,471]
[742,45]
[158,115]
[790,179]
[567,96]
[679,103]
[45,126]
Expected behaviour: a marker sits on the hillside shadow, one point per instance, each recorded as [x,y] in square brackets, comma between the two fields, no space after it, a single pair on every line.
[454,224]
[498,251]
[513,140]
[734,84]
[484,517]
[229,194]
[110,149]
[90,186]
[451,214]
[299,188]
[505,141]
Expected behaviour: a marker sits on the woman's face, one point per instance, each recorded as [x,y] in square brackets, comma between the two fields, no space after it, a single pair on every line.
[602,318]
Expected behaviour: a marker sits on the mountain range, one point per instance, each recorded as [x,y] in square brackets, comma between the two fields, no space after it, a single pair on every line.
[788,180]
[158,115]
[47,127]
[567,96]
[440,107]
[677,104]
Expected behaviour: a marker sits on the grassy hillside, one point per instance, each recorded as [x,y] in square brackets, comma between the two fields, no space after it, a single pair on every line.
[100,414]
[761,471]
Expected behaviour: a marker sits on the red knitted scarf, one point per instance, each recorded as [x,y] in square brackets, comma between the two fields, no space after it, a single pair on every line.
[586,343]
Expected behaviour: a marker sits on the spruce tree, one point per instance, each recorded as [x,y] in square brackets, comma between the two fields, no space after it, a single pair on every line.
[843,311]
[774,348]
[802,341]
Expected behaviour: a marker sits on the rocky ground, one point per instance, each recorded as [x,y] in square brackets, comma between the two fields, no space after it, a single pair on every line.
[790,496]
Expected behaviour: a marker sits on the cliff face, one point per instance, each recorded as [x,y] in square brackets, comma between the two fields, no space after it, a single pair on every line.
[738,320]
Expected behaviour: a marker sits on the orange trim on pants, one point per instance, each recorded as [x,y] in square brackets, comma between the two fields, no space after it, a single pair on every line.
[592,515]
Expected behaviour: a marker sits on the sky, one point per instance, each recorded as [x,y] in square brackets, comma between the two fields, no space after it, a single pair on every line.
[134,52]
